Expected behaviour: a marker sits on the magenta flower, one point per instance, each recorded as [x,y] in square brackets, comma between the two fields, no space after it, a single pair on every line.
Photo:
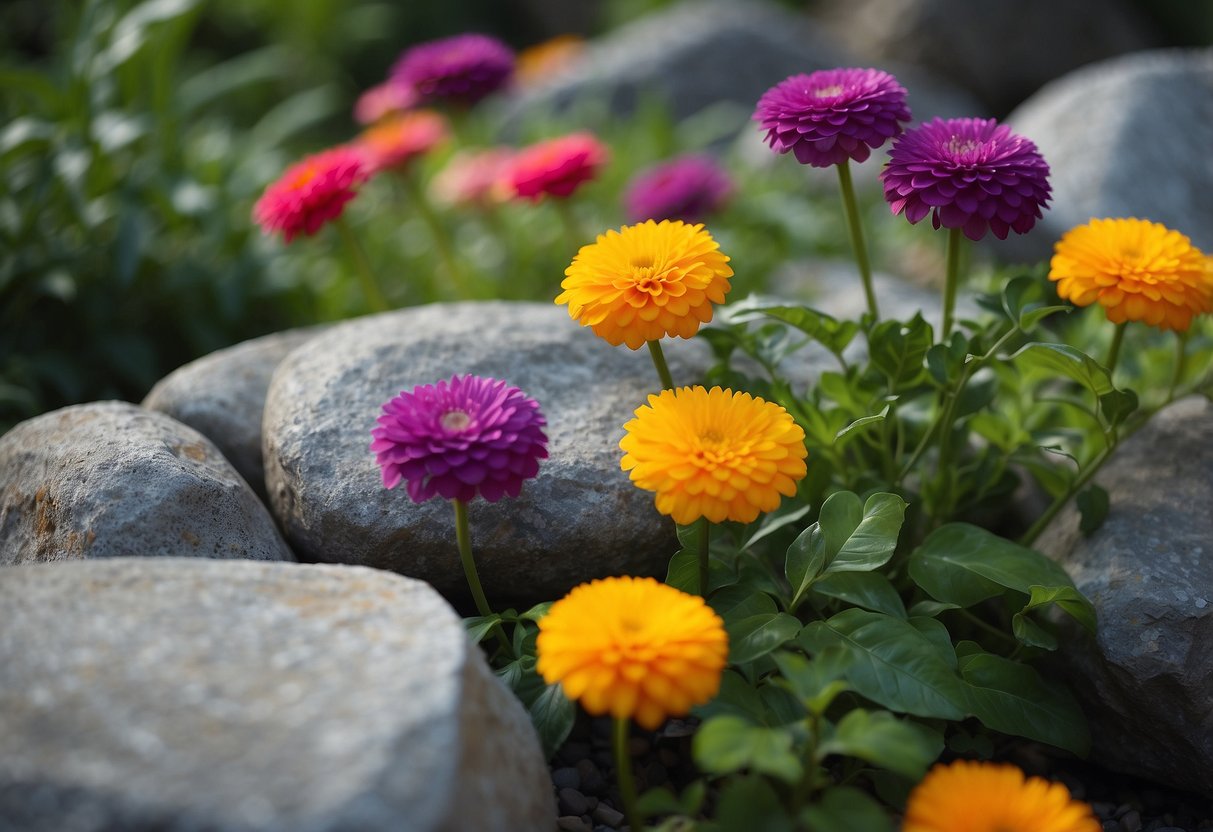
[462,69]
[311,192]
[832,115]
[689,188]
[967,173]
[459,438]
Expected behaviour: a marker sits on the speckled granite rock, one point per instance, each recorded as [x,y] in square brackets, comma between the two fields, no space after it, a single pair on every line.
[1147,679]
[110,479]
[580,518]
[182,694]
[222,396]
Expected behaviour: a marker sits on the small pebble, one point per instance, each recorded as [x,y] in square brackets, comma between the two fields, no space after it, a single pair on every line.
[605,814]
[592,781]
[572,802]
[566,778]
[1131,821]
[572,823]
[1111,826]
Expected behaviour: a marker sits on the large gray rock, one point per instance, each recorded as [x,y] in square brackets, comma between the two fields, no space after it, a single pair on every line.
[181,694]
[222,396]
[1128,137]
[1002,51]
[700,53]
[580,518]
[1146,681]
[110,479]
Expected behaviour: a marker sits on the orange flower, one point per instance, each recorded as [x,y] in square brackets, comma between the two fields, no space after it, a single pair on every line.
[990,797]
[633,648]
[646,281]
[1136,270]
[714,454]
[551,58]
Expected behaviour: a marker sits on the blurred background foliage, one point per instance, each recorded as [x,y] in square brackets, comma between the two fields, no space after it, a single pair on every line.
[137,135]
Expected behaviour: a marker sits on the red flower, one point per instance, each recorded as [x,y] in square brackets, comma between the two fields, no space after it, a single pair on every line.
[556,167]
[311,192]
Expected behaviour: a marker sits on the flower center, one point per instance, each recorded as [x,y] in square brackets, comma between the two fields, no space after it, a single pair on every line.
[827,92]
[304,176]
[958,146]
[454,421]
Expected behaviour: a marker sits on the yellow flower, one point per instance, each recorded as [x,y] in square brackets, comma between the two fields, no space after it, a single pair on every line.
[633,648]
[714,454]
[646,281]
[990,797]
[1136,269]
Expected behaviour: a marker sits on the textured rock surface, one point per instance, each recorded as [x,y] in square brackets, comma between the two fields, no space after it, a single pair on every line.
[110,479]
[698,53]
[1147,680]
[179,694]
[580,518]
[1002,51]
[1108,129]
[222,396]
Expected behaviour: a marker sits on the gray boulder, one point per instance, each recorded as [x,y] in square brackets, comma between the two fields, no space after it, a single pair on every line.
[222,396]
[1001,51]
[581,518]
[1128,137]
[181,694]
[111,479]
[1146,680]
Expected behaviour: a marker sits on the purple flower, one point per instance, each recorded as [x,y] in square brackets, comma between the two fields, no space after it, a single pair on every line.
[832,115]
[967,173]
[688,188]
[459,438]
[462,69]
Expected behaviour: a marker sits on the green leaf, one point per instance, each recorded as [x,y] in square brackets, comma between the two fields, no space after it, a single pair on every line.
[1012,698]
[930,609]
[885,741]
[935,632]
[946,361]
[1029,319]
[1032,633]
[870,544]
[897,350]
[479,626]
[750,803]
[734,603]
[1093,505]
[964,564]
[870,590]
[851,430]
[537,612]
[785,515]
[846,808]
[736,697]
[1061,359]
[1077,605]
[817,682]
[725,744]
[831,333]
[553,714]
[683,572]
[758,635]
[1117,405]
[891,663]
[662,801]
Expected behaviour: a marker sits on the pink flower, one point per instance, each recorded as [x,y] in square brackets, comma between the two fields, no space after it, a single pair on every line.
[473,177]
[311,192]
[383,100]
[396,141]
[556,167]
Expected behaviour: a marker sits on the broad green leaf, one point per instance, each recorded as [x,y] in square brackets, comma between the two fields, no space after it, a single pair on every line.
[1077,605]
[734,603]
[930,609]
[881,739]
[870,590]
[758,635]
[552,714]
[780,706]
[831,333]
[891,663]
[806,558]
[1117,405]
[870,544]
[964,564]
[1032,633]
[850,431]
[683,572]
[537,612]
[750,803]
[1029,319]
[1093,505]
[897,350]
[1062,359]
[846,808]
[1012,698]
[946,361]
[815,682]
[785,515]
[479,626]
[935,632]
[736,696]
[725,744]
[662,801]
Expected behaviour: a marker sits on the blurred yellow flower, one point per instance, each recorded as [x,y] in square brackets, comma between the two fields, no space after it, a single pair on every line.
[969,796]
[633,648]
[1136,269]
[714,454]
[646,281]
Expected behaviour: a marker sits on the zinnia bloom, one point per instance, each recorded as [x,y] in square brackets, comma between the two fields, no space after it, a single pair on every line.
[459,438]
[832,115]
[967,173]
[714,454]
[646,281]
[633,648]
[689,188]
[396,141]
[383,100]
[473,177]
[555,167]
[311,192]
[462,69]
[1136,270]
[991,797]
[549,59]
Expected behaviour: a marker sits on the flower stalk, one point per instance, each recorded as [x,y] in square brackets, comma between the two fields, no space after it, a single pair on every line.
[623,771]
[855,229]
[663,369]
[363,269]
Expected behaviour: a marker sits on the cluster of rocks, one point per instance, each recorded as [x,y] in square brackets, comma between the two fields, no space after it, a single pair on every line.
[167,664]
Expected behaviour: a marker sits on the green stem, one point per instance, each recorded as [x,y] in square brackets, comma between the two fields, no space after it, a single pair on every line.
[705,529]
[663,369]
[572,229]
[951,279]
[623,770]
[1114,350]
[1181,361]
[1033,532]
[986,626]
[366,274]
[463,536]
[442,241]
[851,207]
